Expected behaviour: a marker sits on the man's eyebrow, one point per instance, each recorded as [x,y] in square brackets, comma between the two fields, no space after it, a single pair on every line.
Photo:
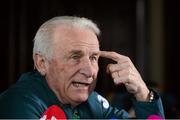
[96,53]
[79,52]
[76,52]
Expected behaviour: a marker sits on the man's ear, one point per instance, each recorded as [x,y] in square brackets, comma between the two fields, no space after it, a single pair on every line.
[40,63]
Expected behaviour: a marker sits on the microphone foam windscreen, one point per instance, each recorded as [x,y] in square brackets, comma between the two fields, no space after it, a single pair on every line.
[53,112]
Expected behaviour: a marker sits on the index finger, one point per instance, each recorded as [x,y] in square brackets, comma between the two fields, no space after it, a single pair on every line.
[111,55]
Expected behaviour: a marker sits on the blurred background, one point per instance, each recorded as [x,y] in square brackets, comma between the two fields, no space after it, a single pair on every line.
[145,30]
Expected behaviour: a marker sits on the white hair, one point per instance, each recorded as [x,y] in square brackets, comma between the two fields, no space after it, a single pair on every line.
[43,37]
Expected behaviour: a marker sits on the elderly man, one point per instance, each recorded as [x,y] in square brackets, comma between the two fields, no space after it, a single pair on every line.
[65,54]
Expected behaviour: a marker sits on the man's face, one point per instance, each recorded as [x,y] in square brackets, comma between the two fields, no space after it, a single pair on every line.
[72,71]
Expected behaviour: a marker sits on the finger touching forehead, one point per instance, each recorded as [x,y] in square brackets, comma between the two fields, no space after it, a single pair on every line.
[113,56]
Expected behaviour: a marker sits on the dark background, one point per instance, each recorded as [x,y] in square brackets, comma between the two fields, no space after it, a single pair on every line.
[145,30]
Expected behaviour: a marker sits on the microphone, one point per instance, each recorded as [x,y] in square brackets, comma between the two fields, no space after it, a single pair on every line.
[53,113]
[154,117]
[150,117]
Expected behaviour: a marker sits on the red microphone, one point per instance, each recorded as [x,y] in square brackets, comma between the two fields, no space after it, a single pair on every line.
[53,113]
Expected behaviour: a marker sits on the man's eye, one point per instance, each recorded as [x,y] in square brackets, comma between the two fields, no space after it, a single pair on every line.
[94,58]
[75,57]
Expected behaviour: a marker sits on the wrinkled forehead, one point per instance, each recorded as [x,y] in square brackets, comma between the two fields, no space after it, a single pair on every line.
[66,35]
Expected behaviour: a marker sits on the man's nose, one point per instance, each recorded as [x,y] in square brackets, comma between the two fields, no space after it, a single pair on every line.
[87,68]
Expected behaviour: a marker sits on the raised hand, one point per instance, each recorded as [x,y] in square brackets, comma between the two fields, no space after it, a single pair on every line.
[124,72]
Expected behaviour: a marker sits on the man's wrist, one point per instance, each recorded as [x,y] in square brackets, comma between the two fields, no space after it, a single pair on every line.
[143,95]
[148,97]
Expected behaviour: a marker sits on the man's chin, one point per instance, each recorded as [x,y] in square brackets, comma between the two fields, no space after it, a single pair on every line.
[78,101]
[81,99]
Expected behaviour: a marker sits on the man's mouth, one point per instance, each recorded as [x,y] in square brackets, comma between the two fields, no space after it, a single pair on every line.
[80,84]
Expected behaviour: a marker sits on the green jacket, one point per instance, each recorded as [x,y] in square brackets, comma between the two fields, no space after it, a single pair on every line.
[30,97]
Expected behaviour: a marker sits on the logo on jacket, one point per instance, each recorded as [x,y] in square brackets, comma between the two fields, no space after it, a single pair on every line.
[104,102]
